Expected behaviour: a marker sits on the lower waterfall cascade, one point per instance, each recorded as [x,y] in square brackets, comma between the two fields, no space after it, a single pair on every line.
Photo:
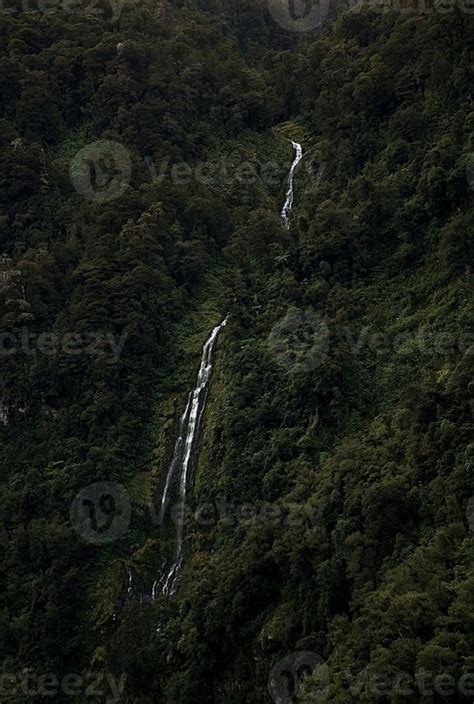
[182,456]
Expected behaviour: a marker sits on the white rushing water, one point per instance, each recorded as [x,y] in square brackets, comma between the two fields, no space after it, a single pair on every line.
[285,213]
[189,428]
[183,453]
[130,583]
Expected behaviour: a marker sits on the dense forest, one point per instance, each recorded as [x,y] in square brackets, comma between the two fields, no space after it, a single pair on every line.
[145,149]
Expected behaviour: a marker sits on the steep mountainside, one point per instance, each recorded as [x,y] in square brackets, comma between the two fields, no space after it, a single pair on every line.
[144,155]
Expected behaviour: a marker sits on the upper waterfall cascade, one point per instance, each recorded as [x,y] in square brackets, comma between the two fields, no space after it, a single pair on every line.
[285,213]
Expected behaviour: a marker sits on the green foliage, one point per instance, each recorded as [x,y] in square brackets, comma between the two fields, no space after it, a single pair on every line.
[347,475]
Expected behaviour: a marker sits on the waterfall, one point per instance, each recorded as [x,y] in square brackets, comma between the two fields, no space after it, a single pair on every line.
[180,465]
[290,193]
[130,583]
